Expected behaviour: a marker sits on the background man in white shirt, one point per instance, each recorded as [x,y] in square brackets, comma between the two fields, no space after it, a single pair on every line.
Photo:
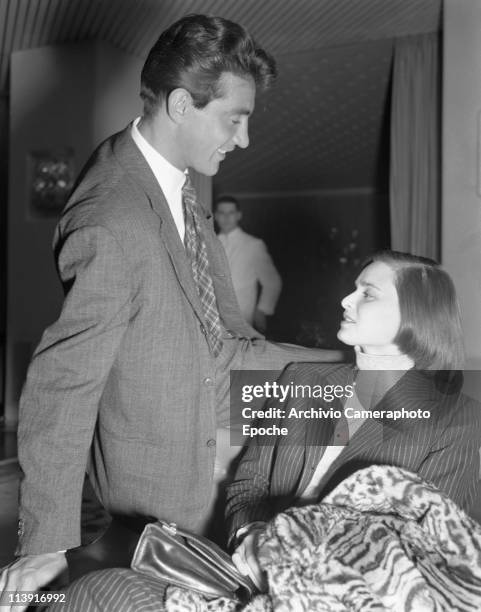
[256,281]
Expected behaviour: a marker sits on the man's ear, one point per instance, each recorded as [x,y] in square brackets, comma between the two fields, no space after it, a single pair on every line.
[179,102]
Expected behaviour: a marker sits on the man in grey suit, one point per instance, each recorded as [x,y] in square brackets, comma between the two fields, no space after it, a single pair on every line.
[131,382]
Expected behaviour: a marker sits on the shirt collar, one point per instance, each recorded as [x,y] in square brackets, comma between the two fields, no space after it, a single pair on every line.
[170,178]
[235,233]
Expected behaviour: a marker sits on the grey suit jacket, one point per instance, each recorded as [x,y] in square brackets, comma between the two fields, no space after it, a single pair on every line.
[443,449]
[124,383]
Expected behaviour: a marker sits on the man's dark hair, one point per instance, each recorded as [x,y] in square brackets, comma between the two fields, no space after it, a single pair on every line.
[194,53]
[226,199]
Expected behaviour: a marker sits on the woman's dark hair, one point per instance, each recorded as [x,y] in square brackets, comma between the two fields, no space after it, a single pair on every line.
[194,52]
[430,331]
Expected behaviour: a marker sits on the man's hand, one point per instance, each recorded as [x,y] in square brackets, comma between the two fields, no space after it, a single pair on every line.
[31,573]
[245,559]
[260,321]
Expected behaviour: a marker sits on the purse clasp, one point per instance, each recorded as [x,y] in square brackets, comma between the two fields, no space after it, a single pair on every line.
[171,528]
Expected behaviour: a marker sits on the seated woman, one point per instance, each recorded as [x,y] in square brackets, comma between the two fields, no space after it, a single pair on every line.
[403,320]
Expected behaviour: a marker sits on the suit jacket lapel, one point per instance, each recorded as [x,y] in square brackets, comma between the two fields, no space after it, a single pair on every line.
[136,166]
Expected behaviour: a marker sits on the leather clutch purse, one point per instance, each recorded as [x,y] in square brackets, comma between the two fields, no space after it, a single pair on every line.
[178,557]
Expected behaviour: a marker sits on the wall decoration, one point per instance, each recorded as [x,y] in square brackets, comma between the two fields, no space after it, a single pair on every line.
[51,180]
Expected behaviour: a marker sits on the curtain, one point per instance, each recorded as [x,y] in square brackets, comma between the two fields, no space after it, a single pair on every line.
[415,201]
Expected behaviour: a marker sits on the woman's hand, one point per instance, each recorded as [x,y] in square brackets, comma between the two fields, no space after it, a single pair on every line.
[245,559]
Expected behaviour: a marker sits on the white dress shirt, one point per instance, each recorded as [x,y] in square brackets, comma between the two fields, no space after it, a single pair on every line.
[170,178]
[331,453]
[251,266]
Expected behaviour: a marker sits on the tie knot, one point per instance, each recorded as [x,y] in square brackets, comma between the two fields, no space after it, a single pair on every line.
[188,190]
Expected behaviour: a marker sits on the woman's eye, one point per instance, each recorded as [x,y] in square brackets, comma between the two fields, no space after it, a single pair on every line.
[367,294]
[236,121]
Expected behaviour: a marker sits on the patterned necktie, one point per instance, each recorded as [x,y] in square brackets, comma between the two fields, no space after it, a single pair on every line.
[197,254]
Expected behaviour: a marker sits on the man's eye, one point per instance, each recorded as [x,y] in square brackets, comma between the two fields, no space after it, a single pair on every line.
[367,294]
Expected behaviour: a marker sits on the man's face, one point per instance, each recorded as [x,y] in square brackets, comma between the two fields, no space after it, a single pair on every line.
[227,216]
[209,133]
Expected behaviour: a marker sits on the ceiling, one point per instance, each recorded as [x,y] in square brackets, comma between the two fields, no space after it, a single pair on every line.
[324,124]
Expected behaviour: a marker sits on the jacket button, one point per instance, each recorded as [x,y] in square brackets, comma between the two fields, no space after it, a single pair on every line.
[203,329]
[208,382]
[211,442]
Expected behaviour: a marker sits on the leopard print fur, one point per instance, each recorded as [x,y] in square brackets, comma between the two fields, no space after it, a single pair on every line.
[382,541]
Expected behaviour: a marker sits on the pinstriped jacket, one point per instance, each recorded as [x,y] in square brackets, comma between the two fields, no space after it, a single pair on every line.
[443,449]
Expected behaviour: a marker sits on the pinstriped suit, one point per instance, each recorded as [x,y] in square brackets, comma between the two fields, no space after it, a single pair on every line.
[443,449]
[124,383]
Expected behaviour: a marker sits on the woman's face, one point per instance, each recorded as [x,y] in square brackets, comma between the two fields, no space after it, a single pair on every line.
[371,313]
